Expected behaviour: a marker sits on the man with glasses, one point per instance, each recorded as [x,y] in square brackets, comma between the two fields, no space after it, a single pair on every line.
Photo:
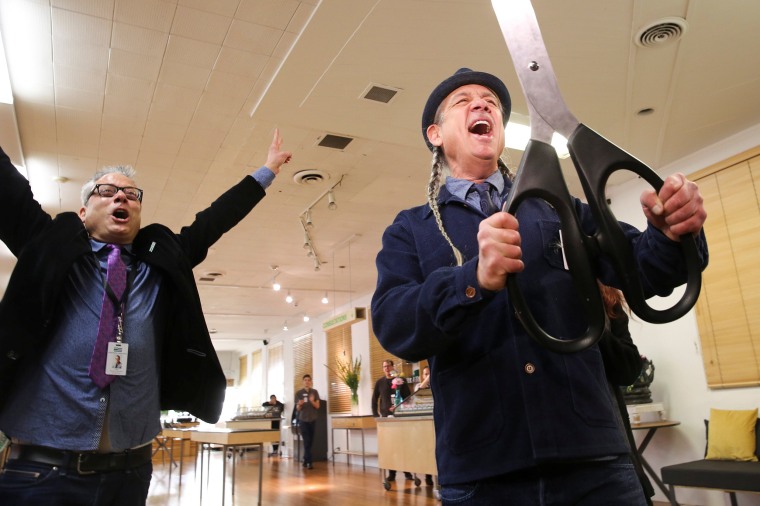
[80,428]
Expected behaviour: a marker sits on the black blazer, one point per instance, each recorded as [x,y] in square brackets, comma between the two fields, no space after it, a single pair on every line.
[191,377]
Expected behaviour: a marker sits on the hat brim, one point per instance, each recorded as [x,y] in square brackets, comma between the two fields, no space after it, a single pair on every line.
[463,77]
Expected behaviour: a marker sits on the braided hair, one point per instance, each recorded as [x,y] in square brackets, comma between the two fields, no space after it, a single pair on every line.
[438,168]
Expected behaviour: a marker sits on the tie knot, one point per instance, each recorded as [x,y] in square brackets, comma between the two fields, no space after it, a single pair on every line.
[486,202]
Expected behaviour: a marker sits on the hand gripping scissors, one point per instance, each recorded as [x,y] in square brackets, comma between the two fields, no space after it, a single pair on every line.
[539,175]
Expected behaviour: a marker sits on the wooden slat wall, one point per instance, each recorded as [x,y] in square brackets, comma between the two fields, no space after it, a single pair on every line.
[302,358]
[728,310]
[338,348]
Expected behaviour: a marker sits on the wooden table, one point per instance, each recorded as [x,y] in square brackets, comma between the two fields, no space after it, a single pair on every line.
[407,444]
[230,438]
[651,428]
[349,423]
[176,434]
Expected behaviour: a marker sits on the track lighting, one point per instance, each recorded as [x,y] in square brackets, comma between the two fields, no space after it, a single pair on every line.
[307,219]
[289,298]
[325,300]
[285,325]
[306,240]
[331,205]
[316,263]
[305,318]
[275,285]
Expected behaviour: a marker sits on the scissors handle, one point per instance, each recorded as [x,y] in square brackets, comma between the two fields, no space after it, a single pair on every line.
[544,180]
[595,159]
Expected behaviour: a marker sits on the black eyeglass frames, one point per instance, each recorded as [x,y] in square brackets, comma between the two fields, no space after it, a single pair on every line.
[109,190]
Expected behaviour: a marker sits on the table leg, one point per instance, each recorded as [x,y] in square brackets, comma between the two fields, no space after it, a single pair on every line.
[261,469]
[200,484]
[640,450]
[224,470]
[348,447]
[363,452]
[332,438]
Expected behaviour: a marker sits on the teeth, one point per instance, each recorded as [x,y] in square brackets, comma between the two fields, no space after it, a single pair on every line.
[479,123]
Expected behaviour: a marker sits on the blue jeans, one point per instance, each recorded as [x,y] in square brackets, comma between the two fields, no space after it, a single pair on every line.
[605,483]
[24,483]
[307,433]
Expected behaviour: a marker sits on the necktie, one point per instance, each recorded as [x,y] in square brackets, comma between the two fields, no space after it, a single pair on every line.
[486,204]
[116,278]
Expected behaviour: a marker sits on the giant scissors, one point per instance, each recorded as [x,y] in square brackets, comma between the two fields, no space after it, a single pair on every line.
[539,175]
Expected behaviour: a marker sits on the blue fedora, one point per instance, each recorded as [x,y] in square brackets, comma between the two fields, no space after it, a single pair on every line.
[462,77]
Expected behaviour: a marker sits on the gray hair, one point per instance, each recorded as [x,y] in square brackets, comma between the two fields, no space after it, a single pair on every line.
[438,170]
[89,186]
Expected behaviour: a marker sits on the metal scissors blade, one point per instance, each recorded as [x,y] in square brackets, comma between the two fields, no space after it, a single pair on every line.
[548,110]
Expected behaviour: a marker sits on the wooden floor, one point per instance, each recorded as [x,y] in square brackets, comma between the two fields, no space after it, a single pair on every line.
[285,483]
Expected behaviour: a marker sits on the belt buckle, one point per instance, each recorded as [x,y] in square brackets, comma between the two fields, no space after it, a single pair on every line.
[79,465]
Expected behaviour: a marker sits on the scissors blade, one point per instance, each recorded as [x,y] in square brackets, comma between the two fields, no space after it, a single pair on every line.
[546,107]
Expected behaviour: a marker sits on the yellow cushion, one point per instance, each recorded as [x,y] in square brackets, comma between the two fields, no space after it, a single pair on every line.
[731,435]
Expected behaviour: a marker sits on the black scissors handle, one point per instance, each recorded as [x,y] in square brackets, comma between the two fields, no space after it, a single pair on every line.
[595,159]
[543,179]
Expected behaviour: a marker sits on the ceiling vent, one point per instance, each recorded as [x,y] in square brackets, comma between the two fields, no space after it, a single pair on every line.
[334,141]
[308,177]
[382,94]
[661,32]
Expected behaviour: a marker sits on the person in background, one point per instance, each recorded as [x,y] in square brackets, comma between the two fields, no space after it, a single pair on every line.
[275,408]
[425,379]
[622,365]
[307,407]
[81,432]
[545,430]
[383,403]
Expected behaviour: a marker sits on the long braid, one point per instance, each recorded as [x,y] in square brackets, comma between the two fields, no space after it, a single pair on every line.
[434,186]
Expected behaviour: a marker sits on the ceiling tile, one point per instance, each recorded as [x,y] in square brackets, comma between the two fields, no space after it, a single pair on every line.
[195,24]
[153,14]
[252,37]
[80,100]
[139,40]
[74,27]
[222,7]
[127,88]
[272,13]
[192,52]
[80,55]
[115,106]
[92,81]
[183,75]
[99,8]
[243,63]
[135,65]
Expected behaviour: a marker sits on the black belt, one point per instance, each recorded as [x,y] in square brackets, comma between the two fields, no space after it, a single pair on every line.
[83,462]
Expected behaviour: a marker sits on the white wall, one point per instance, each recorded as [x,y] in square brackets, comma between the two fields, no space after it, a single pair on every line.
[675,349]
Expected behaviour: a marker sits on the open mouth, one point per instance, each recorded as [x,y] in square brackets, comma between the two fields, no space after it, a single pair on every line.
[480,127]
[121,214]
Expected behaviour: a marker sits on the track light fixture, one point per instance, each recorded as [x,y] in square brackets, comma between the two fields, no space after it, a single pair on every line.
[275,285]
[285,325]
[307,219]
[289,298]
[331,205]
[325,300]
[305,317]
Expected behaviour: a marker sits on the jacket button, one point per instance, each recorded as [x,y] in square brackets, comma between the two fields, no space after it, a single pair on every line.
[12,354]
[530,368]
[470,292]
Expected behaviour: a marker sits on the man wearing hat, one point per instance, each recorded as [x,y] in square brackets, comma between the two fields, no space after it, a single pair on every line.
[547,432]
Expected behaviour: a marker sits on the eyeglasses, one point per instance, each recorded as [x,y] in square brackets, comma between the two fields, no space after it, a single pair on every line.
[110,190]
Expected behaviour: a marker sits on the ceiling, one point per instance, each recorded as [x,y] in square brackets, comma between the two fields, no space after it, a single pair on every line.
[189,93]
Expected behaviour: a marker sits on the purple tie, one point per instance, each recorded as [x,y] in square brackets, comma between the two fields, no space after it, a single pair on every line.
[116,277]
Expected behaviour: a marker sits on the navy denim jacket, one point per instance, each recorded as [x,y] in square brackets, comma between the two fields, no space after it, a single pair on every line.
[502,402]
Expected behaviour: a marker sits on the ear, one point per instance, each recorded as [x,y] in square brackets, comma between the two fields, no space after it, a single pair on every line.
[82,213]
[434,135]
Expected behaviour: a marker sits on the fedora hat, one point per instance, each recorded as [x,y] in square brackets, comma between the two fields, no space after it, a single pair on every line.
[462,77]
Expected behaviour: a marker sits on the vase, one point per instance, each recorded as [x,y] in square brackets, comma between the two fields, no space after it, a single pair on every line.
[354,403]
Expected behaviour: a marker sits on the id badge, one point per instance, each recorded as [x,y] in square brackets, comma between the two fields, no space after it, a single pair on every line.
[116,359]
